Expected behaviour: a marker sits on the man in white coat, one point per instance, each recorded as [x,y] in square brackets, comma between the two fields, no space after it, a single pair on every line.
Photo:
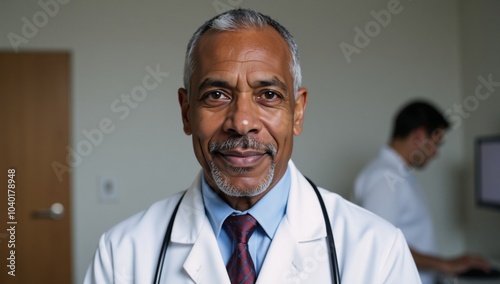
[242,103]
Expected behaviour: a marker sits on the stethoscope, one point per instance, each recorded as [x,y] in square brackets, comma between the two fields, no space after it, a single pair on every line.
[334,267]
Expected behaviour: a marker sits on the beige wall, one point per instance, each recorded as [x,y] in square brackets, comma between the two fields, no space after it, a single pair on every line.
[415,54]
[481,43]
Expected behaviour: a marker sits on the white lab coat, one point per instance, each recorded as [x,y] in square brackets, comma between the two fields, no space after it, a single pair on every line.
[369,249]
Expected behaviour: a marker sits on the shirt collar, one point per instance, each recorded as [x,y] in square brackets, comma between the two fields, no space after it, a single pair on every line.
[388,153]
[268,211]
[391,154]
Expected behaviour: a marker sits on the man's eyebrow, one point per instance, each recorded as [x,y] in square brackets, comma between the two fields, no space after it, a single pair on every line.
[274,82]
[210,82]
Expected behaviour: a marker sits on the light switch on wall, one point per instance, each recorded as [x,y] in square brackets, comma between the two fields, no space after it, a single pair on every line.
[107,189]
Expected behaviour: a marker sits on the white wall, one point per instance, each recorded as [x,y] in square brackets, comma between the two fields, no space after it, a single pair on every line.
[481,43]
[416,54]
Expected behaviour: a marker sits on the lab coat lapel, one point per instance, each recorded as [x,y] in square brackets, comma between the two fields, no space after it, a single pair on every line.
[281,257]
[300,235]
[203,262]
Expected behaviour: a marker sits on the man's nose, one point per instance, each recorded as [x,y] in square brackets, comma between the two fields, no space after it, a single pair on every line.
[243,116]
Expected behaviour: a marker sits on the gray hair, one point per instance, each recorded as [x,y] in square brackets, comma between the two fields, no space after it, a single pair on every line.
[238,19]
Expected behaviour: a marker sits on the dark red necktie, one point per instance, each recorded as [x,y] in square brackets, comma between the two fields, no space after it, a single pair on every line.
[240,267]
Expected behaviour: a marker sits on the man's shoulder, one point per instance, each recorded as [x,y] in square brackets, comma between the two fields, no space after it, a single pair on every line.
[377,165]
[380,171]
[358,218]
[341,210]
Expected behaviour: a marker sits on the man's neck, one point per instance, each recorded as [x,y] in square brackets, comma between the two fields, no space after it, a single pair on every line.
[401,147]
[241,203]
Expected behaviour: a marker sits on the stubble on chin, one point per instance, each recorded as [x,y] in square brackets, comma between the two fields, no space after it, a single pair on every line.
[223,182]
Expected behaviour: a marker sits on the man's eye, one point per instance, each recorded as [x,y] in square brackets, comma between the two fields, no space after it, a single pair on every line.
[270,95]
[216,95]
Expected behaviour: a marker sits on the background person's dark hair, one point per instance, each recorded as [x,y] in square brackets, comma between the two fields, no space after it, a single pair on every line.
[418,114]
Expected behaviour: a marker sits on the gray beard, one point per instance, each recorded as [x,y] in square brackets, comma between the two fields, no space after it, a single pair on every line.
[230,190]
[246,143]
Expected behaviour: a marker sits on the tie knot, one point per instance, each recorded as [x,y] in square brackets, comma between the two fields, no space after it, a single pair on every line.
[241,227]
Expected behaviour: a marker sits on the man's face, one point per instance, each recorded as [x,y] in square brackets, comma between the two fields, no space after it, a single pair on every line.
[241,112]
[427,148]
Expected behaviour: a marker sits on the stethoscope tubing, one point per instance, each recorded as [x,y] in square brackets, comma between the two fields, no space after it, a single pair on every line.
[334,266]
[166,240]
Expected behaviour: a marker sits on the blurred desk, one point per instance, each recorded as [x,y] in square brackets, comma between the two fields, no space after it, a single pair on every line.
[460,280]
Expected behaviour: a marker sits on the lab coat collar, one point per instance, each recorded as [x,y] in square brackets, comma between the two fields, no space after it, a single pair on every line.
[303,211]
[192,227]
[191,215]
[303,223]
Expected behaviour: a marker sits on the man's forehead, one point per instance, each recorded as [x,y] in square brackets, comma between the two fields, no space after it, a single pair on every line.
[241,40]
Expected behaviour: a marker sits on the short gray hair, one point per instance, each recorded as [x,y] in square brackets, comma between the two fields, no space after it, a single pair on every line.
[238,19]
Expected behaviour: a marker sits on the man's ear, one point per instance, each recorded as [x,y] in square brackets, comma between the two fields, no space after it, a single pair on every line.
[184,103]
[300,108]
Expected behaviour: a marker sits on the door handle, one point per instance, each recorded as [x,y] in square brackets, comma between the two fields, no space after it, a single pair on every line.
[55,212]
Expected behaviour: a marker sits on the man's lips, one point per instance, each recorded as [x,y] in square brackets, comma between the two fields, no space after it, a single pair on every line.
[242,158]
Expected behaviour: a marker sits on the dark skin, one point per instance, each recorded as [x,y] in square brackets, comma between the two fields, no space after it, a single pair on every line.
[242,86]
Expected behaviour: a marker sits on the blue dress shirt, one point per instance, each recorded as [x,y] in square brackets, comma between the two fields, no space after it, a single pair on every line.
[268,212]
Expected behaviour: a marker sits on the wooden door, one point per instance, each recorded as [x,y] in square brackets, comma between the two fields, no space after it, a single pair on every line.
[35,244]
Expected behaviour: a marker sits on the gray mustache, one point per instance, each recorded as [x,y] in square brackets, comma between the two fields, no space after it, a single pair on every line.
[243,142]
